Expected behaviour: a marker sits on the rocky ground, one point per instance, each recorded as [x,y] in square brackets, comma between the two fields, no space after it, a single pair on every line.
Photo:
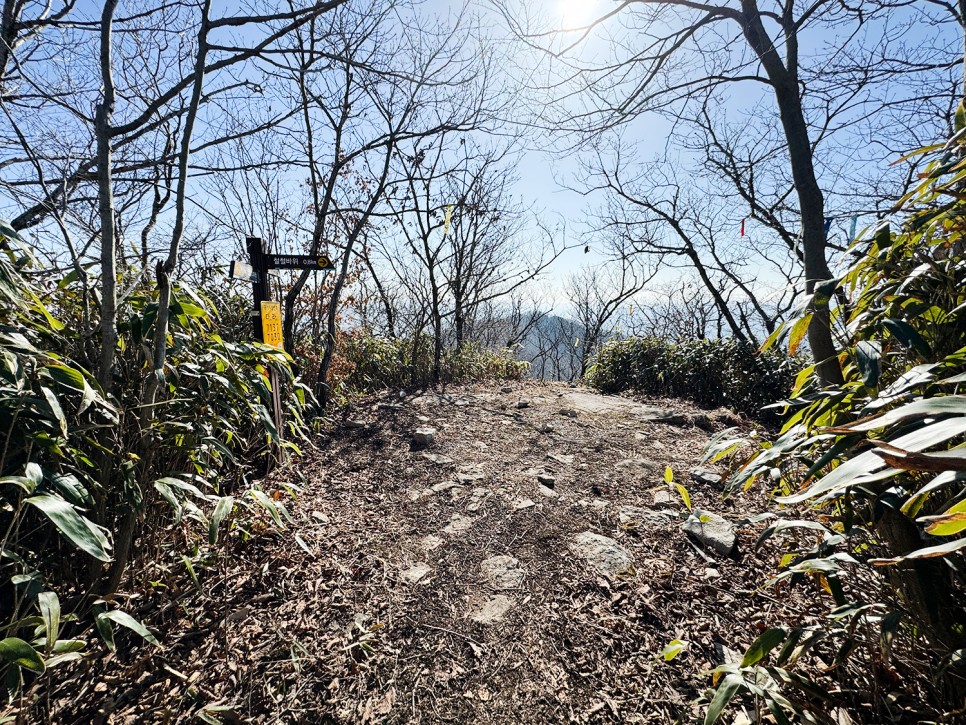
[485,555]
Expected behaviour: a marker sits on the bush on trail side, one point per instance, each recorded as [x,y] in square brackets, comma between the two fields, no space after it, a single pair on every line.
[367,363]
[63,515]
[715,373]
[881,459]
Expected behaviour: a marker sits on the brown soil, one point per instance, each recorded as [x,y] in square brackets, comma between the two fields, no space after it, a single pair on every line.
[327,628]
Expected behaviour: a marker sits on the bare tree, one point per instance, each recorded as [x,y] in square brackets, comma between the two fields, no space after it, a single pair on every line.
[468,242]
[672,54]
[596,295]
[139,139]
[365,108]
[654,213]
[678,310]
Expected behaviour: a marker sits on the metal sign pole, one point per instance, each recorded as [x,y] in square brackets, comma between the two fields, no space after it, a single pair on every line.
[267,315]
[262,292]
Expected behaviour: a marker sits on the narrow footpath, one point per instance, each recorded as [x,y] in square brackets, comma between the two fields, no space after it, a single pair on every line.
[486,555]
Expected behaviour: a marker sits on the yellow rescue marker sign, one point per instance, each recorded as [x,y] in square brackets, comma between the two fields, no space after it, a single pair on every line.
[272,324]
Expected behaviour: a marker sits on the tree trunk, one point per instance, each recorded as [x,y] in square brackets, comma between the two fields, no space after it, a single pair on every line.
[715,293]
[928,594]
[105,204]
[459,322]
[811,202]
[437,344]
[165,271]
[8,35]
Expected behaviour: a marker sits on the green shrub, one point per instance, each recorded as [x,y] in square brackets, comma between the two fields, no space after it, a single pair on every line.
[709,372]
[366,363]
[78,467]
[882,459]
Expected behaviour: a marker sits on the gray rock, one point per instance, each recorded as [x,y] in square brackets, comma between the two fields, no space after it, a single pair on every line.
[444,486]
[523,503]
[602,553]
[459,524]
[430,542]
[568,412]
[586,402]
[711,573]
[523,403]
[711,531]
[548,492]
[355,424]
[477,499]
[643,517]
[415,573]
[561,458]
[725,655]
[703,421]
[663,497]
[638,467]
[502,572]
[661,415]
[506,389]
[707,476]
[438,459]
[493,610]
[424,436]
[545,428]
[546,479]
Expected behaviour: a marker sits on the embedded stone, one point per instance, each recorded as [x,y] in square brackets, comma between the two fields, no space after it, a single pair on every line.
[711,531]
[602,553]
[415,573]
[707,476]
[424,436]
[493,610]
[502,572]
[459,524]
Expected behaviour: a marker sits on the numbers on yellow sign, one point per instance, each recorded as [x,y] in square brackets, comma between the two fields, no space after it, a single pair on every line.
[272,324]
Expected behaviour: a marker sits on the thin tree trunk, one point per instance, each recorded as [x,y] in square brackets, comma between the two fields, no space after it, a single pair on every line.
[437,345]
[322,385]
[105,193]
[165,271]
[8,34]
[320,207]
[811,202]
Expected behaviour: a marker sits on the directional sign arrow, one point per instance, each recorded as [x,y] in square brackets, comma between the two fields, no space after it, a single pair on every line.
[298,261]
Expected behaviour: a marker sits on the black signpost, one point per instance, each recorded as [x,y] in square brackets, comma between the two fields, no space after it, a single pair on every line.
[261,261]
[261,290]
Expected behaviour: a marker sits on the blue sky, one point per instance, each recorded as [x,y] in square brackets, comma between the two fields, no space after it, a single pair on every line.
[548,163]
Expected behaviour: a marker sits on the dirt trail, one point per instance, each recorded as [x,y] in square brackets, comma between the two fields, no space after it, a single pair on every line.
[527,566]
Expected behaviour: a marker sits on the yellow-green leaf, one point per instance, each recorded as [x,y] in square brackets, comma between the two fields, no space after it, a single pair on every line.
[673,648]
[685,496]
[798,333]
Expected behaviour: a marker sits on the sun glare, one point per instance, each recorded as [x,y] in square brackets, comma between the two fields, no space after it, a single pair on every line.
[575,13]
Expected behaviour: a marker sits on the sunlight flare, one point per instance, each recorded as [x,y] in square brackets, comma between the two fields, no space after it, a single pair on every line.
[576,13]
